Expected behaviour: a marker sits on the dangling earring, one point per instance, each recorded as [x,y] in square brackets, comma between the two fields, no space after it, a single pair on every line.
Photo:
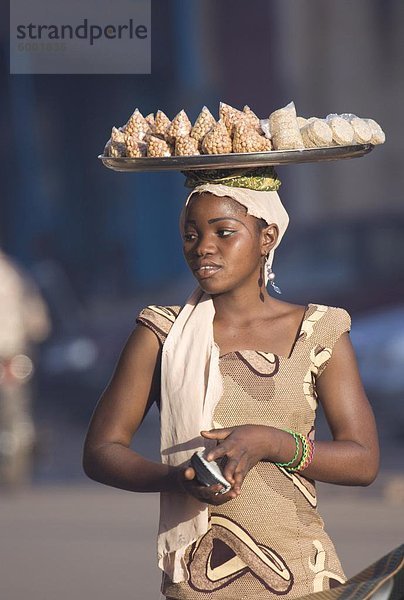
[261,281]
[271,279]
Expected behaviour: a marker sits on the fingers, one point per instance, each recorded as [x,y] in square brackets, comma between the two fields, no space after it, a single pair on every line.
[236,469]
[213,495]
[240,473]
[219,452]
[189,474]
[217,434]
[209,494]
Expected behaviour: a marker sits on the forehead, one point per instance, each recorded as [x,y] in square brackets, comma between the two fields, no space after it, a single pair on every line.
[206,202]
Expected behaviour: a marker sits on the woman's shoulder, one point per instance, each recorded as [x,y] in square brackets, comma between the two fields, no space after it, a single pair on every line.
[325,323]
[158,318]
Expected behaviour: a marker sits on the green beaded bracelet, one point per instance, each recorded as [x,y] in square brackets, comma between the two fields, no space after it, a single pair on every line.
[296,437]
[305,454]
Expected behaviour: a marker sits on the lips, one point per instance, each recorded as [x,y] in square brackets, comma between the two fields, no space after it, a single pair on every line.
[205,270]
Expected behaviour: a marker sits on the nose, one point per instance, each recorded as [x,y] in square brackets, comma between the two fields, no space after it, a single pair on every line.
[204,245]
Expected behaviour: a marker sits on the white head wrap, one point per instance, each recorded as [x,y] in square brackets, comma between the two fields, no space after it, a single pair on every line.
[191,386]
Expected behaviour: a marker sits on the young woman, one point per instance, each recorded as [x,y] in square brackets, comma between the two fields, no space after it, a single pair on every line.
[240,373]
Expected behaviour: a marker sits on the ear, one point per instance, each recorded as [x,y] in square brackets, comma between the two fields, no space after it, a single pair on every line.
[269,237]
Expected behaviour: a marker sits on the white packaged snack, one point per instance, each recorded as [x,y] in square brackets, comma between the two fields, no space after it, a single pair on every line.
[342,131]
[378,135]
[285,131]
[316,134]
[362,131]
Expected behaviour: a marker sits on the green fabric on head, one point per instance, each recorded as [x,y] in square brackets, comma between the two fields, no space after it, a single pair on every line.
[260,179]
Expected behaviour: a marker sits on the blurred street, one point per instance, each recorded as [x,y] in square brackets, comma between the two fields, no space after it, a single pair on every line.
[93,542]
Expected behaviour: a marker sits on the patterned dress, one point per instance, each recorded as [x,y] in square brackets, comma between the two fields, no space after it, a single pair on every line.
[269,542]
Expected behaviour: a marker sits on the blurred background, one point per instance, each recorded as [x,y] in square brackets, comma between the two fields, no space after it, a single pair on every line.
[92,247]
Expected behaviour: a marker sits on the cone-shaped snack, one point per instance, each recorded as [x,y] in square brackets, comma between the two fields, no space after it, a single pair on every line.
[179,127]
[137,125]
[114,149]
[285,129]
[316,134]
[251,118]
[267,144]
[247,139]
[217,140]
[229,116]
[378,135]
[134,147]
[186,146]
[157,147]
[342,131]
[150,119]
[117,135]
[203,124]
[161,123]
[137,151]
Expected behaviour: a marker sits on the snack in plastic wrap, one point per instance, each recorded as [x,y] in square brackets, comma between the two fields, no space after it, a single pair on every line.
[236,131]
[285,130]
[230,116]
[265,128]
[202,125]
[342,131]
[158,147]
[267,144]
[316,134]
[137,125]
[378,135]
[134,147]
[117,135]
[362,131]
[114,149]
[179,127]
[302,121]
[161,123]
[186,146]
[217,140]
[150,119]
[251,118]
[247,139]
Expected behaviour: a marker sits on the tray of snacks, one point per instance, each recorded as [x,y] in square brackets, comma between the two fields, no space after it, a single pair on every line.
[237,139]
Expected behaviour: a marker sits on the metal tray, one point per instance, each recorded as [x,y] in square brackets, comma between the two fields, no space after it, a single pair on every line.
[233,161]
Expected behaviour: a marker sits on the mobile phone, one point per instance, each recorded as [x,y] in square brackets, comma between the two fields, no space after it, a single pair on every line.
[208,472]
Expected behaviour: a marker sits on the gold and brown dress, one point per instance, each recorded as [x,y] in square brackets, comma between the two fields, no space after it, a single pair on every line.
[270,541]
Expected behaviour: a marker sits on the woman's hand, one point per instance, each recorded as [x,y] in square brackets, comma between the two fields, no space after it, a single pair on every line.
[243,447]
[209,494]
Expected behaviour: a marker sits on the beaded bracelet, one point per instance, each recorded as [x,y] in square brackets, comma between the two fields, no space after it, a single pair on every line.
[296,436]
[305,454]
[310,456]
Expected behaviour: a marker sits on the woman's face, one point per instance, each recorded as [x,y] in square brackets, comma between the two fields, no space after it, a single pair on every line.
[223,245]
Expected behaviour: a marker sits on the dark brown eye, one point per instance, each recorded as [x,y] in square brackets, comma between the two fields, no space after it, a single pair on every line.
[188,237]
[225,232]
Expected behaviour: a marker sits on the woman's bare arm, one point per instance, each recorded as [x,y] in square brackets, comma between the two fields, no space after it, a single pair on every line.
[134,387]
[352,458]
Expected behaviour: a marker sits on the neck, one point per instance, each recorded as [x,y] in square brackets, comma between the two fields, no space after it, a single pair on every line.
[242,306]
